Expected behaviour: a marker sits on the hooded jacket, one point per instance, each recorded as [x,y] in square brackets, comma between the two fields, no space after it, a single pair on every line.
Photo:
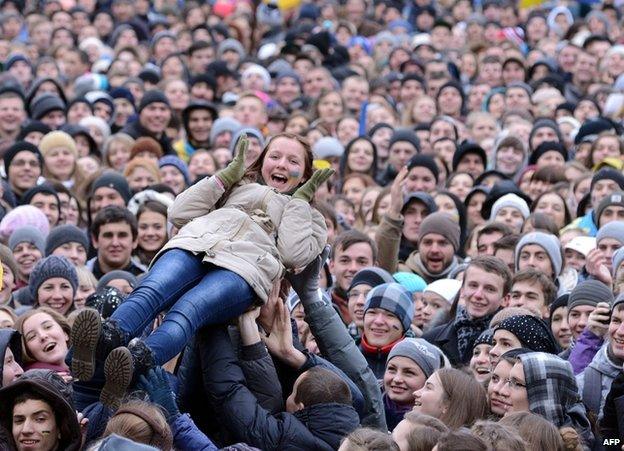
[606,372]
[10,338]
[255,232]
[318,427]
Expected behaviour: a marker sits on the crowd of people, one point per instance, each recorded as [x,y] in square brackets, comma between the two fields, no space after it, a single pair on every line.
[311,224]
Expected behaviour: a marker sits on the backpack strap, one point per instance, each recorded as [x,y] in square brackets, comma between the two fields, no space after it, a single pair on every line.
[592,389]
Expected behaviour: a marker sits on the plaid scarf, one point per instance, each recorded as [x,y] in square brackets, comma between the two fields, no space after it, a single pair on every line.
[468,330]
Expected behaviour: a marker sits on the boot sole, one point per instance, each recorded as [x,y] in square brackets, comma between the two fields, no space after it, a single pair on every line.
[84,339]
[118,370]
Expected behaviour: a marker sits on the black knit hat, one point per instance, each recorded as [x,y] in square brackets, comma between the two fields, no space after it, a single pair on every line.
[67,233]
[404,134]
[561,301]
[46,189]
[371,276]
[44,104]
[153,96]
[49,267]
[532,332]
[592,128]
[426,161]
[18,147]
[548,146]
[33,126]
[468,147]
[115,181]
[608,174]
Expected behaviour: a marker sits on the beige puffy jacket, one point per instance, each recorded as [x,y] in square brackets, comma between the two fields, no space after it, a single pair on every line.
[256,232]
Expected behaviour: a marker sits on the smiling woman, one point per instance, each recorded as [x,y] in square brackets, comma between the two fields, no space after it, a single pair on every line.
[45,337]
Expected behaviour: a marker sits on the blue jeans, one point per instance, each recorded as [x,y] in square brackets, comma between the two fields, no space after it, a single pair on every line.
[196,294]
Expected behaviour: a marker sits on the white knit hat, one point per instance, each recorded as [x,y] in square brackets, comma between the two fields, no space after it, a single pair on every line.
[446,288]
[510,200]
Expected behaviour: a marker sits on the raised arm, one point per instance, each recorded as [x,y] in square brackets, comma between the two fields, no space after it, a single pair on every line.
[388,235]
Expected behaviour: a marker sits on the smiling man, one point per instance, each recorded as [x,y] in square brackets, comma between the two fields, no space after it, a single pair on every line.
[23,165]
[437,244]
[114,235]
[197,118]
[487,281]
[154,116]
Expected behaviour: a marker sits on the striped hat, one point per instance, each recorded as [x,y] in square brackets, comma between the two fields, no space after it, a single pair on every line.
[393,298]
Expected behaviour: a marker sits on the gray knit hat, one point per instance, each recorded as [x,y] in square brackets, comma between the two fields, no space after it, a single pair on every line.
[117,274]
[548,242]
[230,44]
[589,292]
[49,267]
[427,356]
[442,224]
[29,234]
[618,300]
[616,198]
[614,229]
[222,125]
[67,233]
[393,298]
[326,147]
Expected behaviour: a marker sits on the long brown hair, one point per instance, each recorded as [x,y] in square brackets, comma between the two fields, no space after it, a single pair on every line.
[465,397]
[56,316]
[536,431]
[254,171]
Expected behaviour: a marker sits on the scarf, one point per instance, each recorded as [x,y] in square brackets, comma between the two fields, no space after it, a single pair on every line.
[468,330]
[416,265]
[395,411]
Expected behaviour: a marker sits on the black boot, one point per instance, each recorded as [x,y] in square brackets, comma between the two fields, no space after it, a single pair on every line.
[92,339]
[142,358]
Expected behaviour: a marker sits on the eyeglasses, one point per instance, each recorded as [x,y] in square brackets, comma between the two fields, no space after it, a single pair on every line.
[22,163]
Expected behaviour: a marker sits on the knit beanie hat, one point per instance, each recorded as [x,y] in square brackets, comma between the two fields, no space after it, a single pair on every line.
[44,188]
[613,229]
[425,161]
[49,267]
[33,126]
[250,132]
[55,139]
[548,146]
[548,242]
[18,147]
[589,292]
[115,181]
[153,96]
[146,144]
[22,216]
[532,332]
[616,199]
[393,298]
[222,125]
[230,44]
[256,69]
[375,128]
[617,301]
[617,259]
[545,122]
[67,233]
[371,276]
[486,338]
[28,234]
[468,147]
[442,224]
[117,274]
[608,174]
[428,357]
[561,301]
[44,104]
[327,147]
[170,160]
[410,281]
[445,288]
[510,200]
[404,134]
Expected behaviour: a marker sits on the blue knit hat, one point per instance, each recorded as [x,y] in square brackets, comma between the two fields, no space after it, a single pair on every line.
[410,281]
[49,267]
[393,298]
[170,160]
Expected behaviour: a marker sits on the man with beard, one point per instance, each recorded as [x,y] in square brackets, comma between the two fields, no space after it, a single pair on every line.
[438,241]
[197,119]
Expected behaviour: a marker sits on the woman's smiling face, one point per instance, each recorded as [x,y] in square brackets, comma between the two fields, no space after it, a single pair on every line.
[284,164]
[45,339]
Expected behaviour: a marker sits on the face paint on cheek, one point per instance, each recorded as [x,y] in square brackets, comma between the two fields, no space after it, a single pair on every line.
[294,174]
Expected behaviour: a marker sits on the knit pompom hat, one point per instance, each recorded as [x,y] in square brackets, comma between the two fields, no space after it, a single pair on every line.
[24,215]
[56,139]
[49,267]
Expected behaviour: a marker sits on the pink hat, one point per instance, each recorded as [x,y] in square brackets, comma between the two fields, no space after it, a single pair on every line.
[24,215]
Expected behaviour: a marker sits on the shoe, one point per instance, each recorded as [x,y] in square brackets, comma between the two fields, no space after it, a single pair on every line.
[142,358]
[118,371]
[84,339]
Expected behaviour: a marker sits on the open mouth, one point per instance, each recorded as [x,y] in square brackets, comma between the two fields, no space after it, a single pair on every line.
[482,370]
[49,347]
[279,178]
